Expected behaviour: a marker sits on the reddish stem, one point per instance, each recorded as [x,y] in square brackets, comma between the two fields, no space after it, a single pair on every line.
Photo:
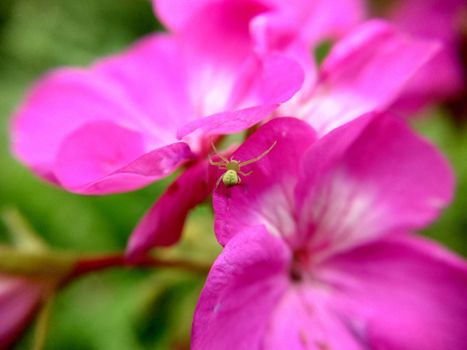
[98,263]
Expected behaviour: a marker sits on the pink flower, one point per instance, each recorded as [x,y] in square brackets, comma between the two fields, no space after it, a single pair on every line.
[443,20]
[19,299]
[317,251]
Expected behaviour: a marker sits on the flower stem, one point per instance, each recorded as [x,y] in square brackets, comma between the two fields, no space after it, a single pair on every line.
[93,264]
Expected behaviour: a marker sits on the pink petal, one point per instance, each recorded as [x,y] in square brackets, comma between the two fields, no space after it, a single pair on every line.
[102,157]
[220,57]
[304,319]
[317,20]
[176,13]
[224,74]
[65,95]
[227,122]
[441,78]
[430,18]
[352,82]
[320,19]
[279,31]
[250,301]
[280,78]
[291,27]
[264,197]
[275,30]
[404,293]
[241,291]
[438,80]
[163,223]
[18,301]
[233,86]
[141,90]
[267,82]
[153,75]
[369,177]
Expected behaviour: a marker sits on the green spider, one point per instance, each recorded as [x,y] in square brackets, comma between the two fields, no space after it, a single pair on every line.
[231,176]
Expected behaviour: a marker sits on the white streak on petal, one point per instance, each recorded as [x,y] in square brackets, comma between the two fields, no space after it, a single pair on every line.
[341,214]
[277,210]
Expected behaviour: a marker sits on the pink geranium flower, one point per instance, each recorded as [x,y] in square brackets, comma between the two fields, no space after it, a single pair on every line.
[19,299]
[317,251]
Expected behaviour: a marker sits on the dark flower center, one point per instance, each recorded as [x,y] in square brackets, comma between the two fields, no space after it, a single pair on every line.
[298,266]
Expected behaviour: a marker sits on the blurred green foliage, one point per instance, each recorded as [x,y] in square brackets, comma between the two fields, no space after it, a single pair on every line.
[440,128]
[126,309]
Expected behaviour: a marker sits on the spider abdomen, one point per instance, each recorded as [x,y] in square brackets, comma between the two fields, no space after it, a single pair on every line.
[230,178]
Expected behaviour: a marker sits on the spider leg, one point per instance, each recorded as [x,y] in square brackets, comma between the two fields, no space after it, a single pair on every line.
[246,174]
[218,154]
[219,181]
[215,163]
[259,157]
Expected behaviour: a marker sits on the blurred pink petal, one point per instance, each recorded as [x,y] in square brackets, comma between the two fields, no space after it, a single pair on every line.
[248,86]
[176,13]
[346,87]
[315,20]
[320,20]
[102,157]
[291,28]
[227,122]
[351,81]
[119,100]
[441,78]
[19,298]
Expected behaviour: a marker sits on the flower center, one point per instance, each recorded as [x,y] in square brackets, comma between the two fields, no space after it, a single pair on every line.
[299,265]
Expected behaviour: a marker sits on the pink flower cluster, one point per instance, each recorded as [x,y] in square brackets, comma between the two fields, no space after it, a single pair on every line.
[319,251]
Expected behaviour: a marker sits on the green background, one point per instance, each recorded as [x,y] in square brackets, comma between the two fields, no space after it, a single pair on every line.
[126,309]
